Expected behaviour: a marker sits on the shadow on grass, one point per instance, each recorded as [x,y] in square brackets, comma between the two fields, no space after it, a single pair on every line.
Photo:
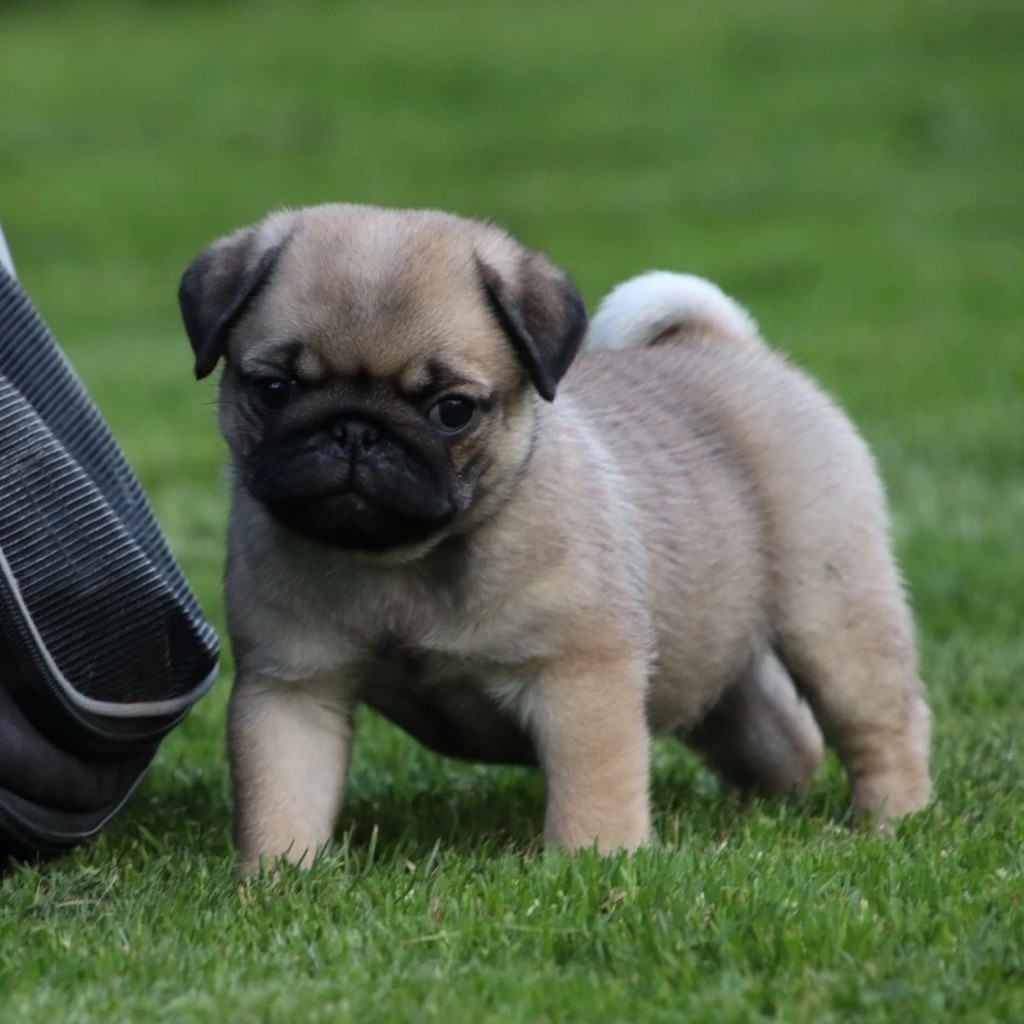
[471,808]
[178,814]
[466,808]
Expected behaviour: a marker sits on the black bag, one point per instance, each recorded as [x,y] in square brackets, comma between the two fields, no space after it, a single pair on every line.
[103,648]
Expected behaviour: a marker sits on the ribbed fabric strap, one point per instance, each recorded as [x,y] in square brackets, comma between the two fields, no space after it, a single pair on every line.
[91,571]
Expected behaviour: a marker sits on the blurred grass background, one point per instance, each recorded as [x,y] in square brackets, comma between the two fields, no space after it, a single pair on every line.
[852,173]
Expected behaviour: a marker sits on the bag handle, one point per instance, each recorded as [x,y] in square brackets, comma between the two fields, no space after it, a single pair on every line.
[5,255]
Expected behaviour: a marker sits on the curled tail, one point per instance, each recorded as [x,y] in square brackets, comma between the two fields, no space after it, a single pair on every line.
[663,306]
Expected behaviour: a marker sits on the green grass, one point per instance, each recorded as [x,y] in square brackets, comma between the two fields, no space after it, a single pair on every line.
[854,173]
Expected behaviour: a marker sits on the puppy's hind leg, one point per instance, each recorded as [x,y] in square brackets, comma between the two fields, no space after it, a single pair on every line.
[844,631]
[759,735]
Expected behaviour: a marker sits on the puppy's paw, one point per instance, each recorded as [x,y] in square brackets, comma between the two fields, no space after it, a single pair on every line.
[625,836]
[604,847]
[881,798]
[267,861]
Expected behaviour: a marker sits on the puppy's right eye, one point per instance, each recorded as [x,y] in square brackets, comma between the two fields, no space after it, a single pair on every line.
[454,414]
[272,392]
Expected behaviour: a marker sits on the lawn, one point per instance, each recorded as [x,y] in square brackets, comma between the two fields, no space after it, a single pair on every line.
[853,173]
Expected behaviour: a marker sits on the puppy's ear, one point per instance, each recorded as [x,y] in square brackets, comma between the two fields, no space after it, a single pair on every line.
[221,283]
[543,315]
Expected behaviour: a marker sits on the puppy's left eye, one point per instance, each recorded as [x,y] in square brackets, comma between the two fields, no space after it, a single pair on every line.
[272,392]
[454,415]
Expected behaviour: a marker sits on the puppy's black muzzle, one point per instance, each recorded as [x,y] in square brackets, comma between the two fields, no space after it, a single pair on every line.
[355,478]
[355,437]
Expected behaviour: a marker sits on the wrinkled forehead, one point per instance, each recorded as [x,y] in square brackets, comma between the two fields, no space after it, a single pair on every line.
[381,299]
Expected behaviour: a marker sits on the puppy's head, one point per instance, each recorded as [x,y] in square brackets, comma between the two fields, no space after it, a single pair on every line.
[381,366]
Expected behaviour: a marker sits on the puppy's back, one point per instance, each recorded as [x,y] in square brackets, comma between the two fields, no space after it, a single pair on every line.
[672,361]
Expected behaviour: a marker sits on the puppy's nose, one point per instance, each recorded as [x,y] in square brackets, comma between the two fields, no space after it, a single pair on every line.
[355,437]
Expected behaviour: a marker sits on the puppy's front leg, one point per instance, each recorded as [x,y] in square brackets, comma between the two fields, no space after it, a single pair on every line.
[289,746]
[588,720]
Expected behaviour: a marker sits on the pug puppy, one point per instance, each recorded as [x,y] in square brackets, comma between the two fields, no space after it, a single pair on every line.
[523,556]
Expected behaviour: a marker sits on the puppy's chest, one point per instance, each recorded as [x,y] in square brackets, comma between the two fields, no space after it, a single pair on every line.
[451,704]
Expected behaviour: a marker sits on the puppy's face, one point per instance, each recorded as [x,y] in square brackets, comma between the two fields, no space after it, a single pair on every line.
[381,367]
